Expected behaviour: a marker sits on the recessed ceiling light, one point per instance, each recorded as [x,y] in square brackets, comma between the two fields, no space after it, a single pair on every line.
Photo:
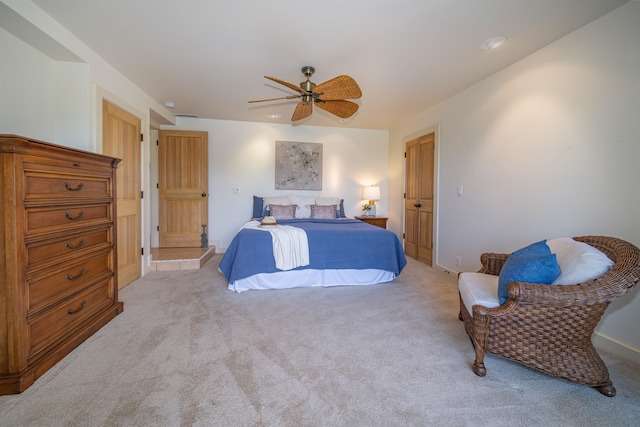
[170,104]
[493,43]
[344,120]
[274,116]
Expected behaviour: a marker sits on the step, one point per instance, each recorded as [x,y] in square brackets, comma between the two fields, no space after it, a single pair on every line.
[171,259]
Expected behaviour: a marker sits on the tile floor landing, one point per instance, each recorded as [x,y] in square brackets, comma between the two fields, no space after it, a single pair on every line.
[170,259]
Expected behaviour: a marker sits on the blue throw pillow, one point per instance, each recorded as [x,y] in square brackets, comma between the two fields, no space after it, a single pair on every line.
[538,248]
[257,207]
[340,212]
[530,268]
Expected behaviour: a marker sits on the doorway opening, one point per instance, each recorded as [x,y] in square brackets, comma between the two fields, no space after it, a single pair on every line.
[180,196]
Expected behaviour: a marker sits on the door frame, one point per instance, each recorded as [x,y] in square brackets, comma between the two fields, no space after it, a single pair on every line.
[435,129]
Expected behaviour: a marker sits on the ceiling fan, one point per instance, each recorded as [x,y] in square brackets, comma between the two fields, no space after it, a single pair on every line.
[331,95]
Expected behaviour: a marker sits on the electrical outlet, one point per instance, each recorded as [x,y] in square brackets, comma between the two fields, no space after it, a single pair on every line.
[458,261]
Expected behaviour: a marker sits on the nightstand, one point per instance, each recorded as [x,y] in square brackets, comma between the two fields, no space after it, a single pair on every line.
[379,221]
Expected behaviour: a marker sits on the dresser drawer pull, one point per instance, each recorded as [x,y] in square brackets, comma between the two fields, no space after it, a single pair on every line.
[68,215]
[70,188]
[70,311]
[70,277]
[72,246]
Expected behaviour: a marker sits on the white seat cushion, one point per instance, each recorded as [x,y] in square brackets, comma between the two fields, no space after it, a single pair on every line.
[478,289]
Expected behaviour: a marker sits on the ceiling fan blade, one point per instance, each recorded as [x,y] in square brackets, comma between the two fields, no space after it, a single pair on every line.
[302,110]
[287,84]
[275,99]
[341,87]
[340,108]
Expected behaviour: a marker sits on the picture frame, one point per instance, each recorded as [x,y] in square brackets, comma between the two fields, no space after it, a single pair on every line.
[298,166]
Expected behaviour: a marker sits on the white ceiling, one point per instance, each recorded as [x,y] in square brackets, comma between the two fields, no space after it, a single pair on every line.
[209,56]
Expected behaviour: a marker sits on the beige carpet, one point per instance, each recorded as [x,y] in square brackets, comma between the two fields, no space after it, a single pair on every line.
[186,351]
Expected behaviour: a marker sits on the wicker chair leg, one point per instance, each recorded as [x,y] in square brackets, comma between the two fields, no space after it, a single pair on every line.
[478,364]
[479,369]
[608,389]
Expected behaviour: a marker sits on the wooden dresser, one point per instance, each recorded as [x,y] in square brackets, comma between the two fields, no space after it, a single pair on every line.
[57,254]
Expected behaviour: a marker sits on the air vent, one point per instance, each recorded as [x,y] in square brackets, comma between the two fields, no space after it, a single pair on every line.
[193,116]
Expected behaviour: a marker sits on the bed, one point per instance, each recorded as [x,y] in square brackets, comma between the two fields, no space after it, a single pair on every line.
[341,252]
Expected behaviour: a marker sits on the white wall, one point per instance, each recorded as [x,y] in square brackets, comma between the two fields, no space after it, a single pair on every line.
[72,96]
[242,155]
[27,98]
[56,94]
[548,147]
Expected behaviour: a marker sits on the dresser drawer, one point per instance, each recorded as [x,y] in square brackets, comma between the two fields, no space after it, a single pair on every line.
[41,185]
[73,245]
[46,289]
[58,218]
[63,164]
[52,325]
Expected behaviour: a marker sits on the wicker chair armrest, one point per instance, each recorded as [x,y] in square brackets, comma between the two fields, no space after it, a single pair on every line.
[601,290]
[492,263]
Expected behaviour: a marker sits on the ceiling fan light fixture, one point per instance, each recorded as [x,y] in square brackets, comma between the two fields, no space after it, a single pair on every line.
[493,43]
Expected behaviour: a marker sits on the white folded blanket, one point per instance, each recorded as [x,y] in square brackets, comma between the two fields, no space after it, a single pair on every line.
[290,245]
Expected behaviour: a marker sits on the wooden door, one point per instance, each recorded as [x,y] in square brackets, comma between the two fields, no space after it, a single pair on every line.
[420,155]
[121,138]
[182,187]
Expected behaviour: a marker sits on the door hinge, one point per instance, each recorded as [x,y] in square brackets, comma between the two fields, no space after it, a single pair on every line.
[157,185]
[403,236]
[157,142]
[142,194]
[404,196]
[405,154]
[141,251]
[157,228]
[141,137]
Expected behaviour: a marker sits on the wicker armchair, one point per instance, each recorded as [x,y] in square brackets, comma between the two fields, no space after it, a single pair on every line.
[549,327]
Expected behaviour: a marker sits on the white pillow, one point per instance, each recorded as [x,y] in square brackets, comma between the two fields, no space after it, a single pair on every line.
[327,201]
[303,203]
[578,261]
[281,200]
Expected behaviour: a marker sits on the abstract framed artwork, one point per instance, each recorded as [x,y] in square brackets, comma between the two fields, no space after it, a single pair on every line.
[298,165]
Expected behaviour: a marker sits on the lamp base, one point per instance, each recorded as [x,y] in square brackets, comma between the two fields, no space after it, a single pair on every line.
[372,211]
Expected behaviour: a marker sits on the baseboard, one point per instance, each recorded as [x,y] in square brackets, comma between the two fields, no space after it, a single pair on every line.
[616,347]
[446,270]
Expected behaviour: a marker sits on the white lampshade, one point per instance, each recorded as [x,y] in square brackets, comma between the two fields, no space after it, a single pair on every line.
[371,193]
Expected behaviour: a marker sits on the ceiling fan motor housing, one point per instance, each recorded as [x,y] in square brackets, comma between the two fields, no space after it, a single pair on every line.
[308,85]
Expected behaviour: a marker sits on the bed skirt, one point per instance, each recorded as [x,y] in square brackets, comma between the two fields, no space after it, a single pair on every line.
[310,277]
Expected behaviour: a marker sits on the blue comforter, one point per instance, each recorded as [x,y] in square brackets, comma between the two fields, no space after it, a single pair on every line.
[333,244]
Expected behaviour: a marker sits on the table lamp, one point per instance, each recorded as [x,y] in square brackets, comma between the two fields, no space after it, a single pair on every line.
[371,193]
